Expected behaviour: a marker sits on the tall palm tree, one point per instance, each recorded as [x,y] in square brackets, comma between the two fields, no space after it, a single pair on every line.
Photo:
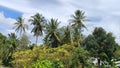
[37,21]
[52,34]
[77,22]
[20,26]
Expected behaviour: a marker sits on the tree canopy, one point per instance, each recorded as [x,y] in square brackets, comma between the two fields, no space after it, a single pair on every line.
[63,46]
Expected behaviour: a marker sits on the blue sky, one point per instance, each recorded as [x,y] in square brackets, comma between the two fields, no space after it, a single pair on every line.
[10,13]
[102,13]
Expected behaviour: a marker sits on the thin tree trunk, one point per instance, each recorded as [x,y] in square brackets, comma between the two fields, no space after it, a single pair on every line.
[20,34]
[83,65]
[98,62]
[71,38]
[80,37]
[19,43]
[36,39]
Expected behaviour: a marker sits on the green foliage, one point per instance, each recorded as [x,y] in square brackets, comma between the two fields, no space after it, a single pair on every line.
[65,34]
[47,64]
[57,64]
[8,48]
[31,46]
[117,53]
[68,56]
[42,64]
[25,58]
[101,45]
[2,42]
[80,56]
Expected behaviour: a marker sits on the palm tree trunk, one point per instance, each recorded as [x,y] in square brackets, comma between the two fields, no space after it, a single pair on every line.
[71,38]
[19,43]
[80,33]
[36,39]
[20,34]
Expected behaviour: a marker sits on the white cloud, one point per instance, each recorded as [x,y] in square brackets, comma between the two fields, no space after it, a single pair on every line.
[103,13]
[6,24]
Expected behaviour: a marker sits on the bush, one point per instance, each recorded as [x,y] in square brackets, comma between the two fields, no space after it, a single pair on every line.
[23,58]
[47,64]
[35,56]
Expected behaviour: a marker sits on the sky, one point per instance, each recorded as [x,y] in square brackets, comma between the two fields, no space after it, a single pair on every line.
[101,13]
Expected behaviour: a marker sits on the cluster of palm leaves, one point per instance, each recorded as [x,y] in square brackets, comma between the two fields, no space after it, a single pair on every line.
[53,35]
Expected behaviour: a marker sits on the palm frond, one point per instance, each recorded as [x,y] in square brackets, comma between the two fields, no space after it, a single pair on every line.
[56,36]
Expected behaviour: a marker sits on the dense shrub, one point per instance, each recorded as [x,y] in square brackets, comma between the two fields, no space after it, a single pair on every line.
[47,64]
[28,57]
[41,54]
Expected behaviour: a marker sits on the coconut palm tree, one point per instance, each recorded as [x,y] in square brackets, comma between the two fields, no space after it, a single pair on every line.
[37,21]
[20,26]
[77,23]
[78,20]
[52,35]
